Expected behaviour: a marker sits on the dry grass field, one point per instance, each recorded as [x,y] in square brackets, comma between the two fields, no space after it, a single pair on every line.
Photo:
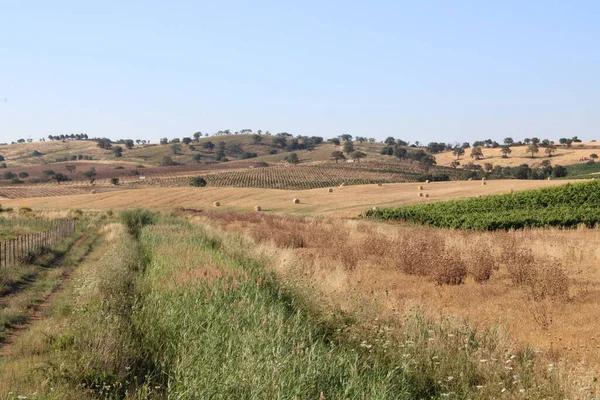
[562,156]
[347,201]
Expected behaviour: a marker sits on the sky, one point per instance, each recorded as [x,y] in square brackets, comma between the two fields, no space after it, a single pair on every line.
[437,70]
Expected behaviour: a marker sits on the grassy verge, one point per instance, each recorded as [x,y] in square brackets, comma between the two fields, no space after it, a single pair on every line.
[189,312]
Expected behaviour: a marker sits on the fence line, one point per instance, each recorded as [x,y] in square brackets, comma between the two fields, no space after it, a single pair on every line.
[17,250]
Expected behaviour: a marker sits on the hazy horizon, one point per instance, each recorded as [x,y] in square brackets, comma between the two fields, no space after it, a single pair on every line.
[434,72]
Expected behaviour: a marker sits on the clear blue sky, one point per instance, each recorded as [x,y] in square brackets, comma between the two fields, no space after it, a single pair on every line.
[416,70]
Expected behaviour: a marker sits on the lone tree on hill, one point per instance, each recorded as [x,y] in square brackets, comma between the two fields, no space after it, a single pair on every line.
[71,168]
[458,151]
[454,164]
[357,155]
[118,150]
[337,155]
[505,150]
[533,148]
[208,145]
[90,174]
[550,149]
[593,156]
[476,153]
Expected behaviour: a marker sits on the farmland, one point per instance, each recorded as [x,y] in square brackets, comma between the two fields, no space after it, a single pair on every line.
[564,206]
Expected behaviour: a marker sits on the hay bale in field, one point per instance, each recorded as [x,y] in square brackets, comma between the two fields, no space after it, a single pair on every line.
[330,190]
[426,194]
[93,192]
[216,204]
[483,179]
[420,187]
[375,208]
[342,184]
[380,184]
[427,181]
[483,183]
[257,208]
[549,178]
[470,179]
[421,194]
[296,201]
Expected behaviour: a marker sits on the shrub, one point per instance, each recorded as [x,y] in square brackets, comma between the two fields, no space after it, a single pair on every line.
[16,181]
[451,271]
[114,181]
[134,220]
[198,181]
[25,209]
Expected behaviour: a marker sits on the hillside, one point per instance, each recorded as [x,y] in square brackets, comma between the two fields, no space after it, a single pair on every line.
[563,156]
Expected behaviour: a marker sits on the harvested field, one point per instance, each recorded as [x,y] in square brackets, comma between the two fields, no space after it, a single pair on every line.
[45,191]
[348,201]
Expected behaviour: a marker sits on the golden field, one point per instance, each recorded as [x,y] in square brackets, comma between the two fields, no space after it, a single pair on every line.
[346,202]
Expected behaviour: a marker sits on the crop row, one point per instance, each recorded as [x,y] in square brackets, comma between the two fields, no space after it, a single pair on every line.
[563,206]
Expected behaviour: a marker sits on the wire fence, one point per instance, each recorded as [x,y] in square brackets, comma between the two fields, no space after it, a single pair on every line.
[17,250]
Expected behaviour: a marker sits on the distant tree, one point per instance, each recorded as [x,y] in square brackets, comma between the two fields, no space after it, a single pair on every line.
[476,153]
[2,165]
[535,140]
[198,181]
[569,143]
[220,155]
[337,156]
[292,158]
[71,168]
[60,177]
[164,140]
[533,148]
[335,141]
[458,151]
[36,153]
[176,148]
[186,140]
[128,144]
[197,136]
[593,156]
[526,141]
[197,157]
[345,137]
[559,171]
[454,164]
[21,141]
[505,150]
[90,174]
[175,140]
[208,145]
[361,139]
[104,143]
[348,147]
[357,155]
[9,175]
[2,157]
[466,145]
[550,149]
[372,140]
[114,181]
[487,167]
[427,161]
[390,141]
[167,162]
[118,150]
[23,175]
[257,139]
[575,139]
[508,141]
[399,152]
[48,173]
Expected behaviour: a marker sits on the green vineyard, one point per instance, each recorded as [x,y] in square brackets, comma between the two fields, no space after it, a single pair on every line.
[296,177]
[563,206]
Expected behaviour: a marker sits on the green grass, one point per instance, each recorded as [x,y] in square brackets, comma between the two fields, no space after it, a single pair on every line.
[563,206]
[583,171]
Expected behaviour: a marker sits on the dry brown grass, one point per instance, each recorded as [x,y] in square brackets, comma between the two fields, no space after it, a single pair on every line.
[542,286]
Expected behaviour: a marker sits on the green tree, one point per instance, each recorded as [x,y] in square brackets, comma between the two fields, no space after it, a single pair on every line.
[593,156]
[71,168]
[348,147]
[90,174]
[390,141]
[533,148]
[208,145]
[458,151]
[176,148]
[23,175]
[337,156]
[198,181]
[118,150]
[129,144]
[197,157]
[454,164]
[476,153]
[357,155]
[292,158]
[186,140]
[550,149]
[2,157]
[508,141]
[256,139]
[505,150]
[114,181]
[164,140]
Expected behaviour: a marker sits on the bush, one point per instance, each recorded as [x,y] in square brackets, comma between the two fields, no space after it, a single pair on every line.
[114,181]
[134,220]
[198,181]
[16,181]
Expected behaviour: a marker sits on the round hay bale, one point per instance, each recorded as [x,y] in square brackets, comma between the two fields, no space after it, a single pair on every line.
[420,187]
[93,192]
[257,208]
[380,184]
[216,204]
[549,178]
[426,194]
[375,208]
[342,184]
[484,183]
[470,179]
[420,194]
[330,190]
[483,179]
[296,201]
[427,181]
